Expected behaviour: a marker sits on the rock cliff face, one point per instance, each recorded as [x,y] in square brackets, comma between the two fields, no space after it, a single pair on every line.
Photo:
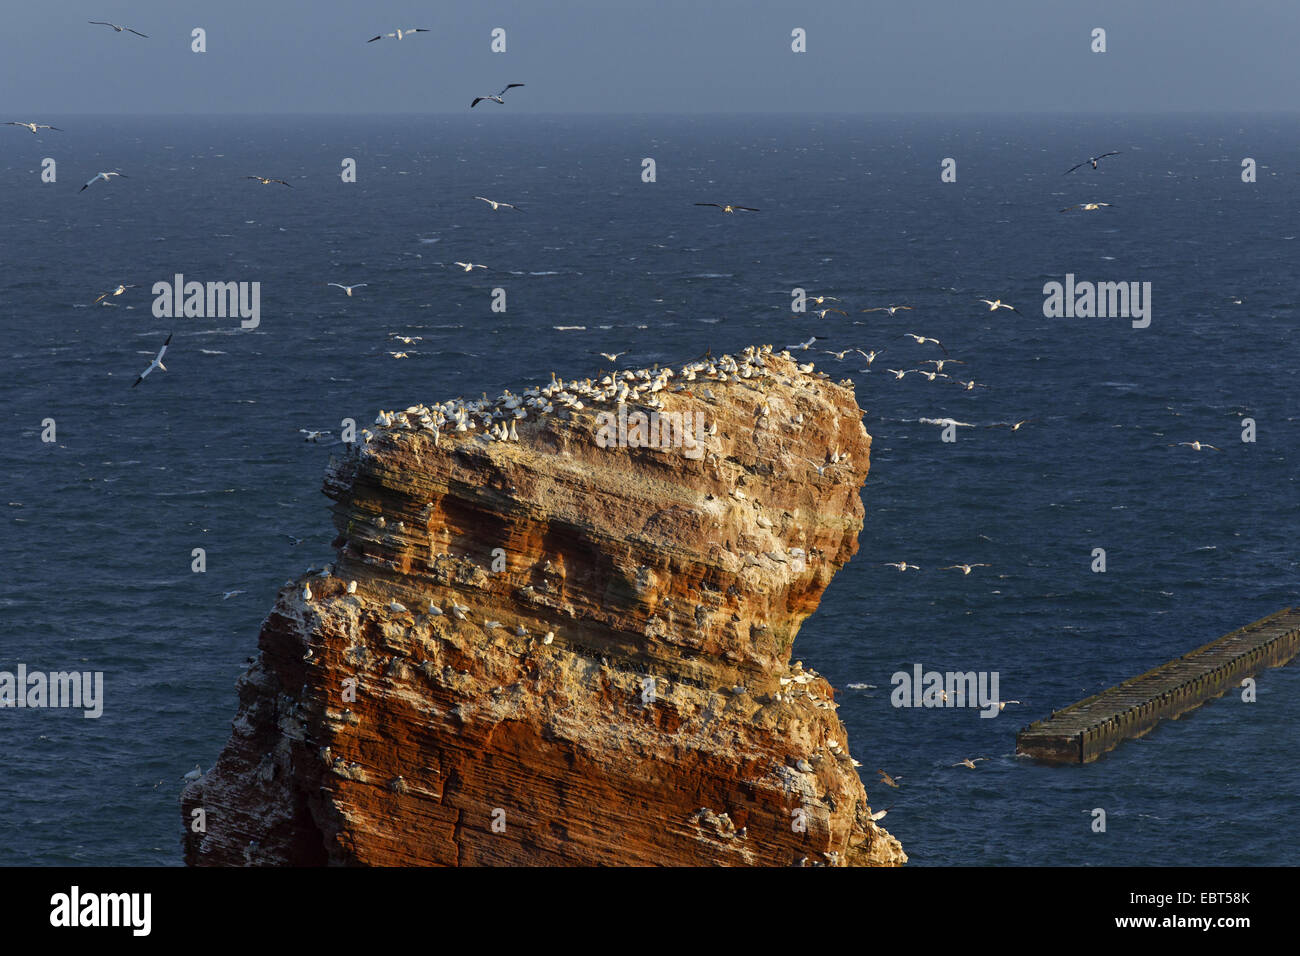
[561,649]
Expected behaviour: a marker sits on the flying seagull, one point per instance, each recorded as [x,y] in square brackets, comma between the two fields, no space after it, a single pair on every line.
[105,23]
[995,304]
[348,288]
[96,178]
[495,204]
[1086,206]
[727,207]
[34,126]
[494,97]
[156,363]
[1093,160]
[118,291]
[266,182]
[397,35]
[467,266]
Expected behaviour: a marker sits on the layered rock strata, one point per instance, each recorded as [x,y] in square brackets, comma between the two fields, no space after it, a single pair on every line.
[541,645]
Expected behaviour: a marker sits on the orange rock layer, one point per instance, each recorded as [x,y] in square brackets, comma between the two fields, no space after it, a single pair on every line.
[609,680]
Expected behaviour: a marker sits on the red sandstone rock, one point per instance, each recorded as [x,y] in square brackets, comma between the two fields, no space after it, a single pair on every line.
[661,724]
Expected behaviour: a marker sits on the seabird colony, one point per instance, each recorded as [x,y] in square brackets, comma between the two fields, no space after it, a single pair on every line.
[493,420]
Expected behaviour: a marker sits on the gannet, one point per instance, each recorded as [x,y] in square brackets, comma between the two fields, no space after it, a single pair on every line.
[496,204]
[969,763]
[612,356]
[803,346]
[821,313]
[940,363]
[901,565]
[891,309]
[266,182]
[995,304]
[727,207]
[105,23]
[227,595]
[348,288]
[398,34]
[34,126]
[887,780]
[193,774]
[156,363]
[922,339]
[965,568]
[312,435]
[1014,426]
[97,177]
[467,266]
[1086,206]
[1197,445]
[118,291]
[1093,160]
[819,299]
[494,97]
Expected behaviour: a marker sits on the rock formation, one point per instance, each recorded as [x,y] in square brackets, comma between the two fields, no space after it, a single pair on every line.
[558,648]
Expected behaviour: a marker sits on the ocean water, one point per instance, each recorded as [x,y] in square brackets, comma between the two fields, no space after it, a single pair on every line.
[99,526]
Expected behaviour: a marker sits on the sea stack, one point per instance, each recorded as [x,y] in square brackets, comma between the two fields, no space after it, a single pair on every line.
[650,546]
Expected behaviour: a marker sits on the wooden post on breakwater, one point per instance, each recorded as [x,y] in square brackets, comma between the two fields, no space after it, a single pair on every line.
[1084,731]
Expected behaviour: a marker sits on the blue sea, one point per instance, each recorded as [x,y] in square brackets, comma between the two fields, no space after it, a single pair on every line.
[100,524]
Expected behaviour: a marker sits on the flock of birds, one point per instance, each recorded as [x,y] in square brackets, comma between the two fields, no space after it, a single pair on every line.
[108,175]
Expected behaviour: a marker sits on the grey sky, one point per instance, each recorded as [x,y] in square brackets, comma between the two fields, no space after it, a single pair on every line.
[672,56]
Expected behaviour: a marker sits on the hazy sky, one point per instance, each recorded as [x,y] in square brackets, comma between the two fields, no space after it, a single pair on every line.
[672,56]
